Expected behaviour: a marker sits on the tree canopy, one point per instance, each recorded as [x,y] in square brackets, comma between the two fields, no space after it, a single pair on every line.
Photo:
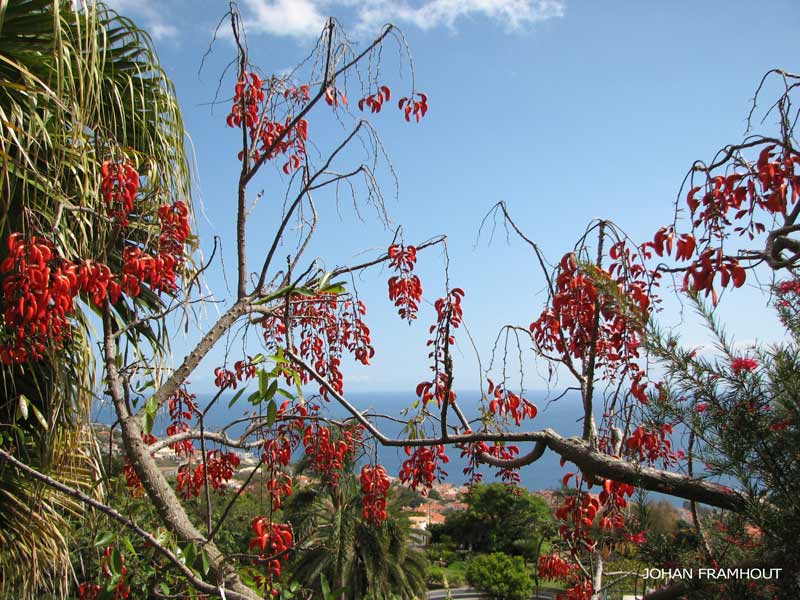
[498,518]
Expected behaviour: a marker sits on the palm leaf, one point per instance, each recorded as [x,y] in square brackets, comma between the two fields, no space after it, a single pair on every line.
[76,88]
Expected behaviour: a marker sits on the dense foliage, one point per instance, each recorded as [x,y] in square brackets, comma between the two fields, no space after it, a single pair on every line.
[501,576]
[498,518]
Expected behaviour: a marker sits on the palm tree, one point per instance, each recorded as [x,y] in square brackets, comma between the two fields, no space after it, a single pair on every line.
[363,560]
[76,88]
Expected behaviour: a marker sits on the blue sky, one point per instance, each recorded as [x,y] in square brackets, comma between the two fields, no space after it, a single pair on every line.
[567,110]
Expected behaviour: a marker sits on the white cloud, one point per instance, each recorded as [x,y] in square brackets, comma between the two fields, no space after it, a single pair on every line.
[305,18]
[510,14]
[150,15]
[295,18]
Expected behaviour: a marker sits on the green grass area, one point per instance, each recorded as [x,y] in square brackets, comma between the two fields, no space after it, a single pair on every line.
[456,573]
[451,576]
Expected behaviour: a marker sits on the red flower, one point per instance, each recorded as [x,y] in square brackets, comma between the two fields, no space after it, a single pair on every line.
[639,538]
[743,364]
[374,487]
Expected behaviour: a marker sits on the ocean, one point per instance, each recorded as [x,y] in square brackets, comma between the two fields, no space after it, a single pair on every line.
[563,415]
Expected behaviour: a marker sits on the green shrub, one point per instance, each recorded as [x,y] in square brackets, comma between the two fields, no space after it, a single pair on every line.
[500,576]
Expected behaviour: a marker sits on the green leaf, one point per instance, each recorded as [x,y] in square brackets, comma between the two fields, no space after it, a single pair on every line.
[147,384]
[326,589]
[190,554]
[297,383]
[271,413]
[164,588]
[236,397]
[273,387]
[279,358]
[254,398]
[115,564]
[335,288]
[128,546]
[263,382]
[204,562]
[111,584]
[162,536]
[150,410]
[149,420]
[104,538]
[304,292]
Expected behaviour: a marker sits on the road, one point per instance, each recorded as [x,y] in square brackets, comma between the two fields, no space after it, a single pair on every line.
[473,594]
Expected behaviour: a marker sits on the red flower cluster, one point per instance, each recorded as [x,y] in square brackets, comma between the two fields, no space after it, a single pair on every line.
[700,274]
[190,482]
[121,589]
[300,94]
[791,286]
[119,184]
[38,290]
[140,267]
[334,97]
[182,406]
[158,271]
[739,192]
[418,108]
[292,142]
[580,510]
[273,138]
[278,449]
[638,538]
[174,222]
[650,445]
[221,466]
[579,514]
[739,365]
[502,451]
[39,287]
[224,378]
[375,101]
[613,497]
[245,369]
[422,467]
[449,314]
[555,568]
[89,591]
[582,591]
[374,487]
[131,477]
[405,289]
[276,456]
[730,205]
[327,455]
[274,540]
[249,91]
[506,402]
[327,327]
[274,332]
[584,294]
